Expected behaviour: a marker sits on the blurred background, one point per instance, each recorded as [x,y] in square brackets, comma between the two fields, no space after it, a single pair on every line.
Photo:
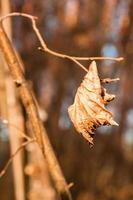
[80,28]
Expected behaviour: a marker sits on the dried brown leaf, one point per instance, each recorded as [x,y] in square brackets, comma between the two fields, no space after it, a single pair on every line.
[88,111]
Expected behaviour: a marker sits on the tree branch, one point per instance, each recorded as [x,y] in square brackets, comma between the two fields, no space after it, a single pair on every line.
[46,49]
[26,96]
[28,100]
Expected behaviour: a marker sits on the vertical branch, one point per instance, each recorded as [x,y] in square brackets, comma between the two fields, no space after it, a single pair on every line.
[40,186]
[31,110]
[13,114]
[127,71]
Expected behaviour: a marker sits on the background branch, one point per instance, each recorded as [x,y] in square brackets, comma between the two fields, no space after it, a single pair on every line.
[10,109]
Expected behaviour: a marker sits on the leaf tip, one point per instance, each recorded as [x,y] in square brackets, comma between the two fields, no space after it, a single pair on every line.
[113,123]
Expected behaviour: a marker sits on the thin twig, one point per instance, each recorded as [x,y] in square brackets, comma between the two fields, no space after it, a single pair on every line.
[109,80]
[23,135]
[118,59]
[46,49]
[14,154]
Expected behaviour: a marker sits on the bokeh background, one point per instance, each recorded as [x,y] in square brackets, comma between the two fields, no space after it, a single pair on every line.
[80,28]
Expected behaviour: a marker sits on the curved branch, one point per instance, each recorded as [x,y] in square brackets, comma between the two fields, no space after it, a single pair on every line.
[44,47]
